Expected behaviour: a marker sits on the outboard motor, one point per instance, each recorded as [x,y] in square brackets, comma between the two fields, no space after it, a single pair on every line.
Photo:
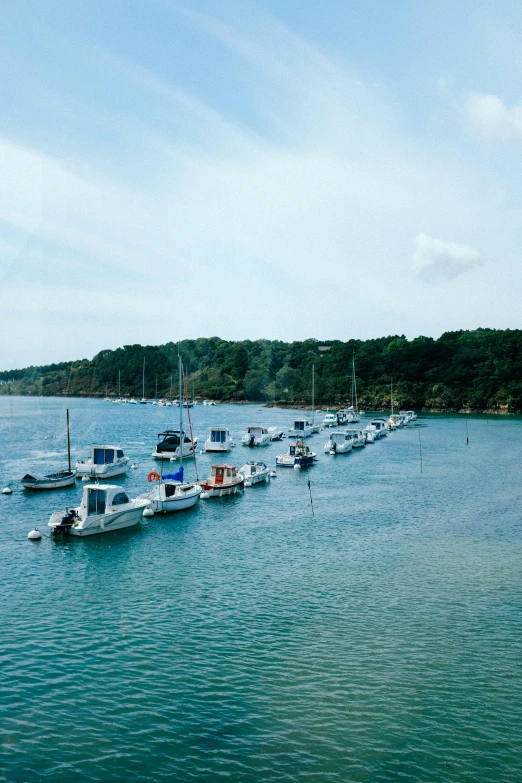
[252,441]
[68,520]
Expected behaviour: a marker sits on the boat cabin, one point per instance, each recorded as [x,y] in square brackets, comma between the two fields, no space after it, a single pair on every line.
[101,499]
[300,425]
[339,438]
[222,474]
[257,431]
[218,434]
[171,440]
[106,455]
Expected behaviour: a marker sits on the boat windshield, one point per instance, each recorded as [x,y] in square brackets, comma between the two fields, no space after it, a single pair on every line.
[218,436]
[104,456]
[96,502]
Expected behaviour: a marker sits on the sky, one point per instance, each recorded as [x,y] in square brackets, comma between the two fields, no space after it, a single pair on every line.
[278,169]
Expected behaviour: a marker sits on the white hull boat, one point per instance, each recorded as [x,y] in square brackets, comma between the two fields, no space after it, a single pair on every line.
[104,508]
[255,473]
[339,443]
[358,438]
[256,436]
[302,429]
[378,427]
[168,447]
[171,493]
[223,480]
[105,462]
[64,478]
[276,433]
[218,440]
[330,420]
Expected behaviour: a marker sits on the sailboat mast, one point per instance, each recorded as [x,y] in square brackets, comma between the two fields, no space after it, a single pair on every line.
[354,382]
[143,381]
[119,384]
[181,437]
[170,393]
[313,393]
[391,395]
[68,442]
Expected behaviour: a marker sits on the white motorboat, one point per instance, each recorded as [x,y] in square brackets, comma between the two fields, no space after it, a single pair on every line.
[218,439]
[168,447]
[171,493]
[347,416]
[378,426]
[208,402]
[340,442]
[358,437]
[105,462]
[330,420]
[132,401]
[58,480]
[255,473]
[104,508]
[297,456]
[302,429]
[394,422]
[223,480]
[256,436]
[276,433]
[410,415]
[371,435]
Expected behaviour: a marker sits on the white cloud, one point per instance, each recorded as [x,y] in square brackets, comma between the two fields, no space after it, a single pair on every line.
[491,120]
[434,258]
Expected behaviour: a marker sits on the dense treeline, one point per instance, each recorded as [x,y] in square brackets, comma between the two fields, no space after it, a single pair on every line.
[466,370]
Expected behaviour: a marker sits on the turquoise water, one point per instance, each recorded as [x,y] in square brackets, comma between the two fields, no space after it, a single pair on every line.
[379,640]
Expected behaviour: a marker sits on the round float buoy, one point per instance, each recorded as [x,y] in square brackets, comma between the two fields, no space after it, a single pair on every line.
[273,474]
[153,476]
[148,512]
[85,478]
[34,535]
[248,483]
[204,495]
[134,467]
[297,466]
[7,491]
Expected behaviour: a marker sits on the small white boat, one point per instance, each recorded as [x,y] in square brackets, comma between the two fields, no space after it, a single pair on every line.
[410,415]
[377,426]
[255,473]
[223,480]
[339,443]
[133,401]
[256,436]
[276,433]
[394,422]
[302,429]
[104,507]
[171,493]
[105,462]
[168,447]
[371,435]
[218,439]
[64,478]
[358,437]
[297,456]
[347,416]
[330,420]
[208,402]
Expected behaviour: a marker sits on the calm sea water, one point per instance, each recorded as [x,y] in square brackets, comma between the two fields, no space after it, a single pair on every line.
[379,640]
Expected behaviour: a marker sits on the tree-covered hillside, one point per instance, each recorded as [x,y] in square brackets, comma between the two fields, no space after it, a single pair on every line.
[476,370]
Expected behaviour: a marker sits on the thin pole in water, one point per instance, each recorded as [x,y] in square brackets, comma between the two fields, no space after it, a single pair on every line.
[68,442]
[420,449]
[467,438]
[181,436]
[311,500]
[313,393]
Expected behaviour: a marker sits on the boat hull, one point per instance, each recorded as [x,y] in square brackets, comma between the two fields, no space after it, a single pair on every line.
[106,523]
[102,471]
[290,462]
[46,483]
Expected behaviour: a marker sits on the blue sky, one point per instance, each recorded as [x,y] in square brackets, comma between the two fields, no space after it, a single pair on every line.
[279,169]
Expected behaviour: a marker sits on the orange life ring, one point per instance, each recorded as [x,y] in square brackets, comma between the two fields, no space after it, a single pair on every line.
[153,476]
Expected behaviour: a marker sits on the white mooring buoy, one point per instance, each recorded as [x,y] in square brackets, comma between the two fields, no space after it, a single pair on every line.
[248,483]
[85,478]
[7,491]
[34,535]
[148,512]
[273,474]
[204,495]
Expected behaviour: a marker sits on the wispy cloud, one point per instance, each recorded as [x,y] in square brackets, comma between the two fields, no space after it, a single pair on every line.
[435,259]
[491,120]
